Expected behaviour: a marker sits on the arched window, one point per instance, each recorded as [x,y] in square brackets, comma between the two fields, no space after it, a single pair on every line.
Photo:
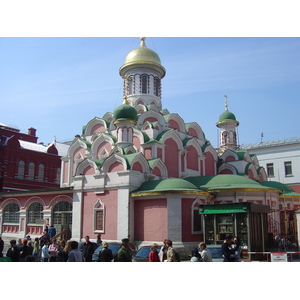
[11,213]
[130,85]
[57,178]
[156,87]
[21,169]
[41,172]
[144,80]
[31,171]
[35,213]
[99,213]
[62,217]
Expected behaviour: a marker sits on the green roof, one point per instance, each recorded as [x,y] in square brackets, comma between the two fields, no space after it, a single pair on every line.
[166,185]
[226,182]
[287,191]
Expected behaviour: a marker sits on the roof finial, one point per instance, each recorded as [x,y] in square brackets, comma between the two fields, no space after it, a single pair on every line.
[143,41]
[125,100]
[226,103]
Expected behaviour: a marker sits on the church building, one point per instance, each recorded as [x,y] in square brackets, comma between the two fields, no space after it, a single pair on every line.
[142,172]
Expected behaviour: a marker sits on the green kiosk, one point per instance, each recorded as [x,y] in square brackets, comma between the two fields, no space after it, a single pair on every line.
[246,220]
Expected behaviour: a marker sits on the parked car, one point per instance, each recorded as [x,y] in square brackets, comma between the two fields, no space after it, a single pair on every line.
[216,253]
[143,254]
[114,247]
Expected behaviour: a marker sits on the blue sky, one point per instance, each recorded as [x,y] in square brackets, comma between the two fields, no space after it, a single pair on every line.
[57,85]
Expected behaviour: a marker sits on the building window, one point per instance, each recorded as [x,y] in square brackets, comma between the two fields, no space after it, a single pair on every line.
[144,80]
[270,170]
[41,172]
[156,86]
[288,168]
[31,171]
[11,213]
[21,169]
[130,85]
[35,213]
[57,178]
[99,214]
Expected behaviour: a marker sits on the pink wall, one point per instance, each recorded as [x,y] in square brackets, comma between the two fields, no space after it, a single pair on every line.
[89,171]
[150,220]
[171,157]
[174,124]
[137,167]
[137,143]
[192,158]
[209,164]
[115,167]
[98,128]
[156,171]
[192,132]
[110,202]
[104,145]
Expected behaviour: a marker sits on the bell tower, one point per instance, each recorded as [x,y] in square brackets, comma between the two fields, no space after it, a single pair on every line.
[228,135]
[142,73]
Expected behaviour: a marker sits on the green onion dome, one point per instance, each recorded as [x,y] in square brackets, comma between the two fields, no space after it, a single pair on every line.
[227,117]
[125,112]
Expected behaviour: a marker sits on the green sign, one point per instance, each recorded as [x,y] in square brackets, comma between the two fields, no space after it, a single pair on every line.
[233,208]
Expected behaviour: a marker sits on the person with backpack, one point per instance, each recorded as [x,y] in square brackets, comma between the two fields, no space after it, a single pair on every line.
[172,254]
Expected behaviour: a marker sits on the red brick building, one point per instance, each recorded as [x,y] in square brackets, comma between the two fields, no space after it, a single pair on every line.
[25,164]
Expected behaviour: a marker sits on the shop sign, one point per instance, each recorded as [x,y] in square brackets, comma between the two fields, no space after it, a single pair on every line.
[278,257]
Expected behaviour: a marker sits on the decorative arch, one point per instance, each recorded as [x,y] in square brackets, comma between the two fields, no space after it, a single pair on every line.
[34,199]
[195,130]
[159,168]
[141,108]
[152,116]
[11,212]
[60,198]
[114,163]
[86,167]
[139,163]
[102,145]
[227,169]
[96,125]
[229,155]
[10,200]
[176,122]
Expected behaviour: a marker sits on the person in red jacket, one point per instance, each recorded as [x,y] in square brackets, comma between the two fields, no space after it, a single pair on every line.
[153,255]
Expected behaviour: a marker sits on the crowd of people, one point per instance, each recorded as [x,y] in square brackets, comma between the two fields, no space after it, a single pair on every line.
[47,249]
[231,252]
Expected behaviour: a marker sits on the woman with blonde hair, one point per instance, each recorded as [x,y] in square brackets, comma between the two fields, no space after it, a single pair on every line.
[66,251]
[153,255]
[105,254]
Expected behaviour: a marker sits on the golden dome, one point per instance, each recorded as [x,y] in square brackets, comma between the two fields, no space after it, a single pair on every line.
[142,56]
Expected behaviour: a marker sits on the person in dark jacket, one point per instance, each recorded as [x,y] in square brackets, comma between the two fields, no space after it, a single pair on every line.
[227,250]
[88,249]
[105,255]
[51,232]
[14,251]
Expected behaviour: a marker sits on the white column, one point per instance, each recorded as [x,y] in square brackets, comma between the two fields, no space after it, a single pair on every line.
[174,218]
